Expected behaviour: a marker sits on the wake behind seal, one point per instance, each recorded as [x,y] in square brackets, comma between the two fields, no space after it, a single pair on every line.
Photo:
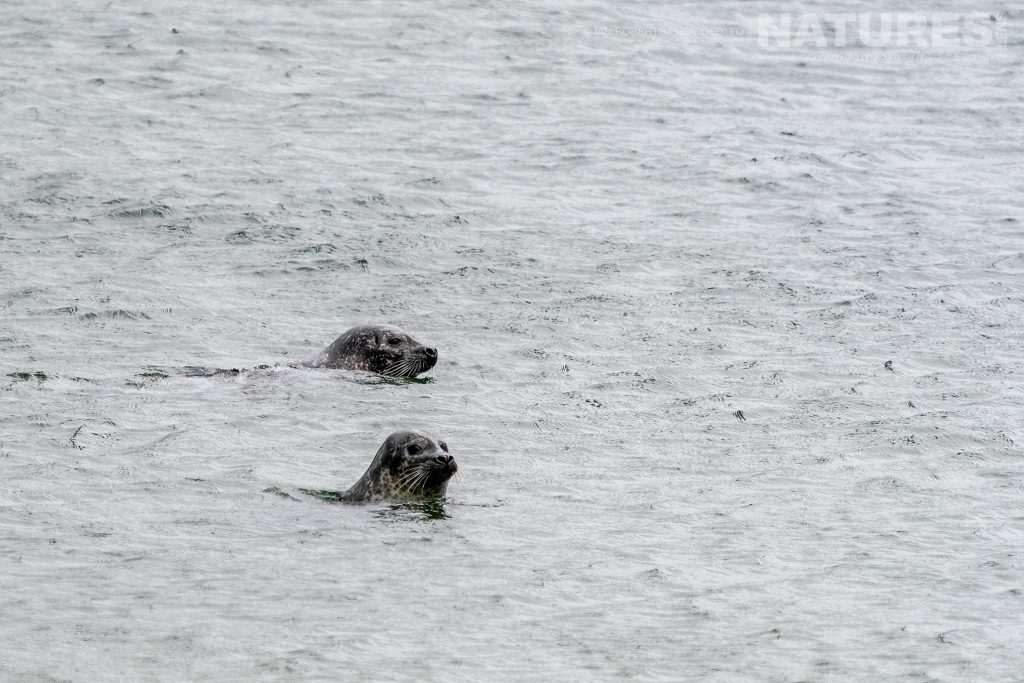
[409,466]
[384,349]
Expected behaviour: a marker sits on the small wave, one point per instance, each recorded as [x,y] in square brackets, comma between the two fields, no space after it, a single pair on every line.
[141,211]
[116,313]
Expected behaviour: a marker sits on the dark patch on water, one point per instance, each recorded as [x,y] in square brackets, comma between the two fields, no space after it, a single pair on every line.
[274,490]
[319,265]
[142,211]
[324,247]
[426,510]
[182,227]
[268,233]
[72,440]
[117,314]
[200,371]
[26,376]
[367,200]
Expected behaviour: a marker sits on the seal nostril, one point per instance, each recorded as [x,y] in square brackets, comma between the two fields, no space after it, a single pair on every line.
[444,459]
[430,351]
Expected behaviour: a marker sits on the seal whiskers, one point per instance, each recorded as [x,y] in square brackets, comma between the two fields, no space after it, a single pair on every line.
[410,481]
[421,478]
[412,485]
[398,369]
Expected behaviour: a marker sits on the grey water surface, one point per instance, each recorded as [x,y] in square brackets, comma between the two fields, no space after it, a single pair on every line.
[730,343]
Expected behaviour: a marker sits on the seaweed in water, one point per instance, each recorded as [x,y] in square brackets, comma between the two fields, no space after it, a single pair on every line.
[325,495]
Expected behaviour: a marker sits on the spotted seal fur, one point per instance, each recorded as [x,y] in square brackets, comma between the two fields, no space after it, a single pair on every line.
[384,349]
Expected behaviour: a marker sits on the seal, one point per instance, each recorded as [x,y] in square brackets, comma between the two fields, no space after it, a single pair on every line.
[409,466]
[384,349]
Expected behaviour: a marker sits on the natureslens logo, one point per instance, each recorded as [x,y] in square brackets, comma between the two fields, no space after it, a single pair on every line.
[905,30]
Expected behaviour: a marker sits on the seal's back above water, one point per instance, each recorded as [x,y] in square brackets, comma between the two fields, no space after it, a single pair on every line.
[383,349]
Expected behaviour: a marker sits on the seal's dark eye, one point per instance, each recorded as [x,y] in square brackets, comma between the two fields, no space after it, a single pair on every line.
[414,449]
[443,445]
[394,341]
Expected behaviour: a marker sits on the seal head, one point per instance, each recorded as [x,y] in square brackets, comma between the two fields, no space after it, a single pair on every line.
[409,466]
[384,349]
